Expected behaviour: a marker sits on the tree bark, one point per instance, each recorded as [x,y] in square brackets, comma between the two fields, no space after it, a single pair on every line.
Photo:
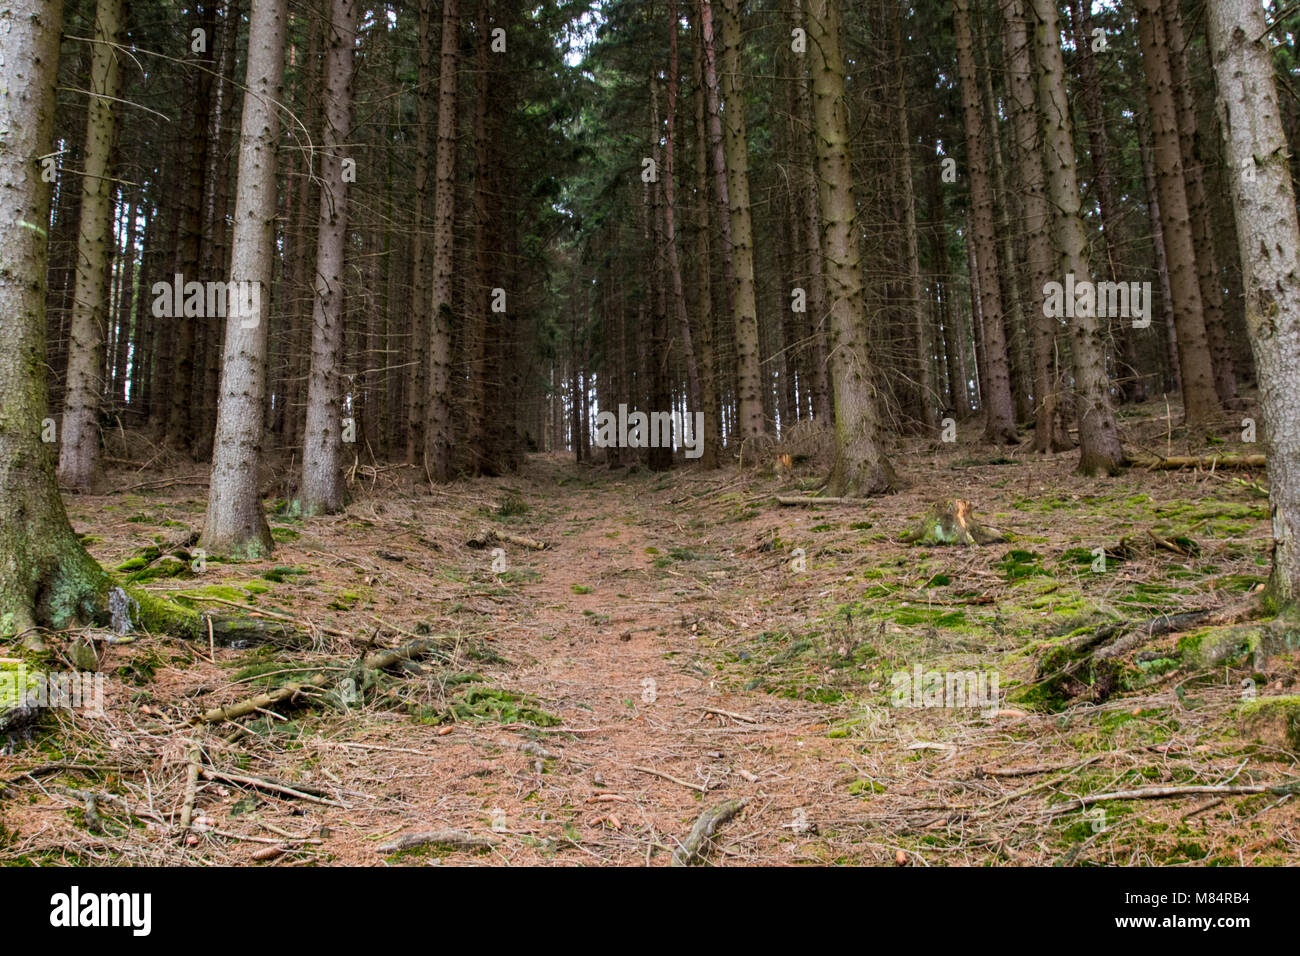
[421,290]
[1100,451]
[322,490]
[861,467]
[1268,235]
[79,450]
[1027,148]
[744,306]
[235,524]
[437,419]
[1200,401]
[1198,207]
[46,577]
[999,423]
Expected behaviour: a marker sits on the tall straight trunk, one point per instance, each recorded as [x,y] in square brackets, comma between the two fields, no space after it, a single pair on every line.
[1173,380]
[861,467]
[1198,206]
[704,273]
[713,101]
[79,449]
[1100,451]
[322,490]
[1268,236]
[745,304]
[999,413]
[670,218]
[810,222]
[477,451]
[1200,400]
[919,313]
[46,577]
[437,419]
[217,249]
[1014,321]
[1027,148]
[180,433]
[417,374]
[659,457]
[1131,386]
[236,524]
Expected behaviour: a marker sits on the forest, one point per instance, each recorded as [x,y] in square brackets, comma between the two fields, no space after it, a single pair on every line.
[649,433]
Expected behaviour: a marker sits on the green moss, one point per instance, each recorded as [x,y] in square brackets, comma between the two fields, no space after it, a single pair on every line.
[480,703]
[865,788]
[1275,719]
[1017,564]
[18,685]
[1217,646]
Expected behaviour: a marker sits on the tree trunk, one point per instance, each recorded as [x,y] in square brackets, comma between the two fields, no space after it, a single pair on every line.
[999,423]
[744,306]
[236,524]
[1264,204]
[46,577]
[919,314]
[1200,401]
[1100,451]
[861,467]
[1028,153]
[79,451]
[670,218]
[704,278]
[1198,207]
[1131,386]
[437,420]
[417,369]
[322,489]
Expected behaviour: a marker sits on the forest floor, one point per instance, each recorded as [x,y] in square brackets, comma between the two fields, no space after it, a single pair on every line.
[665,654]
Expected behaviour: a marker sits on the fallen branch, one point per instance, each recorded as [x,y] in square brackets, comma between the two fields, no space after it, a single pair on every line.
[490,536]
[262,783]
[805,500]
[1157,793]
[191,787]
[665,776]
[697,841]
[1206,461]
[455,839]
[262,701]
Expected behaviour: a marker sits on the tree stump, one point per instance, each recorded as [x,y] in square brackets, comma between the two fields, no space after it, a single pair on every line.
[952,523]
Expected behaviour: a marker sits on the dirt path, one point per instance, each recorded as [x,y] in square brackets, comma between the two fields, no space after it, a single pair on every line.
[680,644]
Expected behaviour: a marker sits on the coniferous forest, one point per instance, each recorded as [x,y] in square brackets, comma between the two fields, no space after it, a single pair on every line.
[649,432]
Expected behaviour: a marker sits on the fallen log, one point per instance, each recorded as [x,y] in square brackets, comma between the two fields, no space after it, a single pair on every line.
[454,839]
[265,783]
[375,661]
[1204,461]
[491,536]
[1285,788]
[806,501]
[261,701]
[696,844]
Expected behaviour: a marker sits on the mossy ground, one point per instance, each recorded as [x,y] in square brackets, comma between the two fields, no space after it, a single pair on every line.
[684,624]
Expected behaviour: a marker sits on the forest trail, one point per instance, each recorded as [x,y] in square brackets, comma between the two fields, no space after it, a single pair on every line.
[666,654]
